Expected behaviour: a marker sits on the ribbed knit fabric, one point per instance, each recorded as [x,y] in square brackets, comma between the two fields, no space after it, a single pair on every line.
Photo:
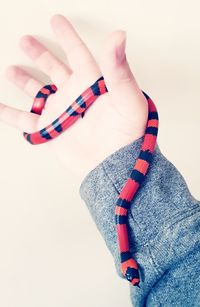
[164,226]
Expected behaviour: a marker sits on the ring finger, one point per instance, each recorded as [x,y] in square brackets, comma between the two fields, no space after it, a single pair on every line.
[23,80]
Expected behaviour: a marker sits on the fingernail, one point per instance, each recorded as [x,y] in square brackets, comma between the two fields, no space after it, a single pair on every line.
[120,51]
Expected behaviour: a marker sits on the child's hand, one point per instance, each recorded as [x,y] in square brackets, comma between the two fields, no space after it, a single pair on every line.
[115,119]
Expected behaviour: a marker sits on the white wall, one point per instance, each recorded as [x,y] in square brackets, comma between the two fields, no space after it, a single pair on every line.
[48,258]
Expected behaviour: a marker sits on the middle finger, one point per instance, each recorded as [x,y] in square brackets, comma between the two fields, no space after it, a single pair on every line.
[45,60]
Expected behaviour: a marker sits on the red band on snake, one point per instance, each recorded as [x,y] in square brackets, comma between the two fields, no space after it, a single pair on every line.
[129,266]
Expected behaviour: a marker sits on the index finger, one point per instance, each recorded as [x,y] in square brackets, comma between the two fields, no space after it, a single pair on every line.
[76,50]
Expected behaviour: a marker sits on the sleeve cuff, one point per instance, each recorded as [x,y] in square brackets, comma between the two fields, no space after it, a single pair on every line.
[162,202]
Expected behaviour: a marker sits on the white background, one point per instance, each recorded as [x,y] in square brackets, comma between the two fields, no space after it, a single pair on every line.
[51,253]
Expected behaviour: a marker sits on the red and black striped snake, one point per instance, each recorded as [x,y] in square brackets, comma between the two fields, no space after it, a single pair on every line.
[129,266]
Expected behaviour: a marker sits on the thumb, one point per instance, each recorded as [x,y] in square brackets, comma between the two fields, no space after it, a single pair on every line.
[114,64]
[119,79]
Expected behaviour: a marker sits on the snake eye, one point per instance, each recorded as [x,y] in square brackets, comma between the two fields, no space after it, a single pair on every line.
[131,273]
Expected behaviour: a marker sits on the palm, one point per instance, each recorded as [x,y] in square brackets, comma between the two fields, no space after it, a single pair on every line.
[112,121]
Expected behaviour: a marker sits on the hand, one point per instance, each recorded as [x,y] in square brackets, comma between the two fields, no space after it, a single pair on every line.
[115,119]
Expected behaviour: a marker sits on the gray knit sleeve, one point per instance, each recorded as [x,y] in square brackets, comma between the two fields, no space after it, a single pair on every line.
[163,226]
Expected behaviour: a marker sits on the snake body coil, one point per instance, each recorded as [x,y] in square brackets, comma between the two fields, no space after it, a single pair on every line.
[129,266]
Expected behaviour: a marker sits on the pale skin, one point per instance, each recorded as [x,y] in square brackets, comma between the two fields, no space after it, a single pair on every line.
[115,119]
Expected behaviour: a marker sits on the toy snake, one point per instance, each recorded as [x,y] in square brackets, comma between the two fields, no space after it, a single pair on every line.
[129,266]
